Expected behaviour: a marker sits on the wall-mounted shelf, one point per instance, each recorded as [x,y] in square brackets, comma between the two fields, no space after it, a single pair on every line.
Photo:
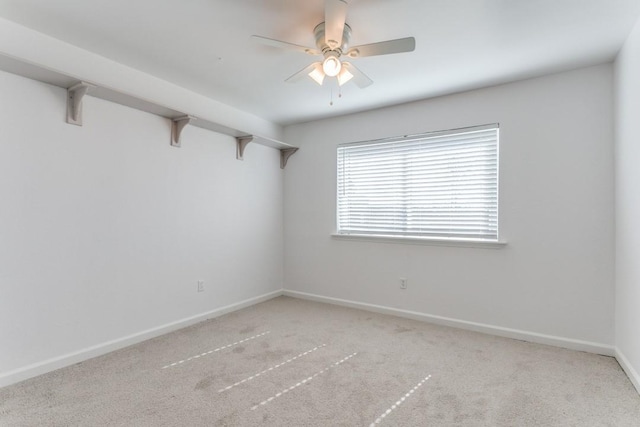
[77,89]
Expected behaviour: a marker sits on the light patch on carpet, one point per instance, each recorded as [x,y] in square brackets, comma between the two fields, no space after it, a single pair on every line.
[270,369]
[206,353]
[399,402]
[303,382]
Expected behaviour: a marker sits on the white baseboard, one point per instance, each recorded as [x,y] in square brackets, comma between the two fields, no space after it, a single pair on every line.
[49,365]
[30,371]
[568,343]
[633,375]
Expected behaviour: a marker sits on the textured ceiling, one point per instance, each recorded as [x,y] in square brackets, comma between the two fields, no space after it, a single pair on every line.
[205,45]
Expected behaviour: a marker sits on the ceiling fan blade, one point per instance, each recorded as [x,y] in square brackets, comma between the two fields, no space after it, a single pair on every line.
[359,78]
[335,15]
[407,44]
[285,45]
[314,68]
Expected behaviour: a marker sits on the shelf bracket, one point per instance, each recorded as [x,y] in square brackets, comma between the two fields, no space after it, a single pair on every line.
[285,153]
[241,144]
[177,125]
[74,102]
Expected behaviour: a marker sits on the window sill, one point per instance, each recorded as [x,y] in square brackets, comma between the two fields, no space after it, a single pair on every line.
[468,243]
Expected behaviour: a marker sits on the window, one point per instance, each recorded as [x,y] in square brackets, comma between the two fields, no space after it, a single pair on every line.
[441,185]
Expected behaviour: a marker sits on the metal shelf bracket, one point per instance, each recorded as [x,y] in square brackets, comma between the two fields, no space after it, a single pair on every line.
[75,94]
[285,153]
[241,144]
[177,125]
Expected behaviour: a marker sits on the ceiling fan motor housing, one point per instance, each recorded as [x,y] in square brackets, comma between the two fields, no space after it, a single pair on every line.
[325,46]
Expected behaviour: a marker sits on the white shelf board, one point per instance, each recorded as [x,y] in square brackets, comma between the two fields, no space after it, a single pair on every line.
[36,72]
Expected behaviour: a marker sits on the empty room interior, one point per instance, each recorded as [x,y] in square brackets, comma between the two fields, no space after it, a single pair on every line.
[320,213]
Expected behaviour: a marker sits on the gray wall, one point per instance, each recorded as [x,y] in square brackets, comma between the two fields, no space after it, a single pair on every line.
[628,206]
[554,278]
[105,229]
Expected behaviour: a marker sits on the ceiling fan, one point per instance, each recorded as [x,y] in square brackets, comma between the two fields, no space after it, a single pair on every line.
[332,41]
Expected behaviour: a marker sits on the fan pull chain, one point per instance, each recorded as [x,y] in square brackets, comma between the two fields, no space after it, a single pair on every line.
[339,95]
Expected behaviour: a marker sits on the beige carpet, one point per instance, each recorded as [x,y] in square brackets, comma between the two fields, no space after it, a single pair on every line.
[289,362]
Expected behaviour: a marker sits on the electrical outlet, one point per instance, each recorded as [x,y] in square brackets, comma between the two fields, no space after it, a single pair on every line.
[200,285]
[403,283]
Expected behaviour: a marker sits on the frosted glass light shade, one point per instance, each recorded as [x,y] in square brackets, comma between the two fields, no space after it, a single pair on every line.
[344,76]
[317,74]
[331,66]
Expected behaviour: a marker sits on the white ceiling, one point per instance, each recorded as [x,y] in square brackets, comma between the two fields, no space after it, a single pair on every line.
[205,45]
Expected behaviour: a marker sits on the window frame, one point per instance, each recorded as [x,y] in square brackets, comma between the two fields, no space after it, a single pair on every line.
[422,238]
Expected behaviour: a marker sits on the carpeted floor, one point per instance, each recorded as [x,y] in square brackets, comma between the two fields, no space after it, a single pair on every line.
[289,362]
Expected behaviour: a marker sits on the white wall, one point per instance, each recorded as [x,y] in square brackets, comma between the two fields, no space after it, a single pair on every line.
[627,159]
[105,229]
[554,277]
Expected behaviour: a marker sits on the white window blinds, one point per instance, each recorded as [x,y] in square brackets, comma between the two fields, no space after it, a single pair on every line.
[439,185]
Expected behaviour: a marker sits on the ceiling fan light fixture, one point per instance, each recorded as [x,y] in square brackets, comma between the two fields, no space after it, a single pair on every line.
[331,65]
[317,74]
[333,38]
